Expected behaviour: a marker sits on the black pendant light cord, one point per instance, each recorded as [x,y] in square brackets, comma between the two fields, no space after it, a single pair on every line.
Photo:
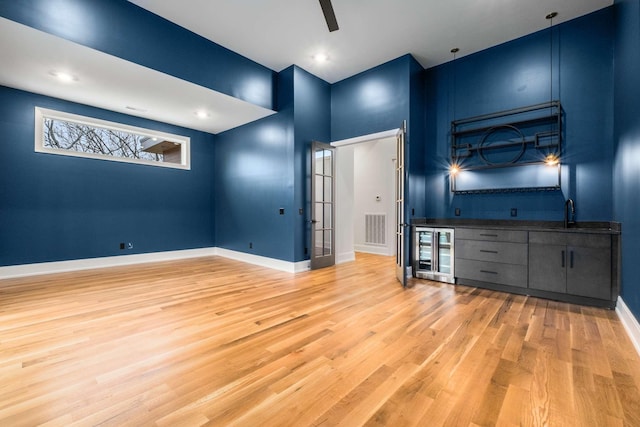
[455,76]
[550,17]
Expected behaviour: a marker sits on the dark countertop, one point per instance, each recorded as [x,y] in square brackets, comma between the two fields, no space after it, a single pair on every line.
[557,226]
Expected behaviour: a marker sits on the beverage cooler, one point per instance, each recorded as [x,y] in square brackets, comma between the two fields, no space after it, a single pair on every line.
[433,254]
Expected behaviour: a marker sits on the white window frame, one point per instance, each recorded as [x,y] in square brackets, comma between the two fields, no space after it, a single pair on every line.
[42,113]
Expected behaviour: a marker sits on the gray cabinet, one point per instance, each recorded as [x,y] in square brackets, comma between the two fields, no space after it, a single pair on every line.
[492,256]
[572,263]
[547,268]
[579,265]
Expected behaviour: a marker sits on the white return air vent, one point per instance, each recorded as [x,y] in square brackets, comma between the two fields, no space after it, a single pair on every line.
[375,229]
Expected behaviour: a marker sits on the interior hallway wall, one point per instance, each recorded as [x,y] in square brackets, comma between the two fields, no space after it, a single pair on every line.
[345,193]
[374,176]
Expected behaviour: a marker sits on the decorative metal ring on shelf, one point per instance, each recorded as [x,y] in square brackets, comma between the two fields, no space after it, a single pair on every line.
[481,145]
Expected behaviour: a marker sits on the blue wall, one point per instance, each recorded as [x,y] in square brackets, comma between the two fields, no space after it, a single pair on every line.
[51,209]
[373,101]
[378,100]
[127,31]
[312,118]
[416,136]
[253,180]
[57,208]
[516,74]
[627,150]
[263,166]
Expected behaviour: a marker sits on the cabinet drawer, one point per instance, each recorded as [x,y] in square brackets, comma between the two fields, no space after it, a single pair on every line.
[514,236]
[503,252]
[492,272]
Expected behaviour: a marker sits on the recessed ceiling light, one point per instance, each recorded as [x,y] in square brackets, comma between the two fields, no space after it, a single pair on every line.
[63,76]
[202,114]
[320,57]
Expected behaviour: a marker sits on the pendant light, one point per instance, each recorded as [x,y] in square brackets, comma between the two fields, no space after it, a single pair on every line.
[454,168]
[552,159]
[550,17]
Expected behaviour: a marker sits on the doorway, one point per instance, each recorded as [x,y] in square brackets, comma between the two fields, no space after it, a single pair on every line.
[365,195]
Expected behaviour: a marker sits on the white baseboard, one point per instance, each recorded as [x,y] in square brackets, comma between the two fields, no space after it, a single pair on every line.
[276,264]
[629,322]
[14,271]
[376,250]
[24,270]
[345,257]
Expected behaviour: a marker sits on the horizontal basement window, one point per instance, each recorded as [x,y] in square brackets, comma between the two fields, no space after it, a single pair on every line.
[68,134]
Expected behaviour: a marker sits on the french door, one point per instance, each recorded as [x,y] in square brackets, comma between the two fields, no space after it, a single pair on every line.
[322,205]
[401,235]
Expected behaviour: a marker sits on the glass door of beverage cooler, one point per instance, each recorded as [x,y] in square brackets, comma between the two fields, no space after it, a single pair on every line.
[445,245]
[425,250]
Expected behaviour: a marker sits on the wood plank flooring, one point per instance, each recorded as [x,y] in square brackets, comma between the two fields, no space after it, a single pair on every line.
[216,342]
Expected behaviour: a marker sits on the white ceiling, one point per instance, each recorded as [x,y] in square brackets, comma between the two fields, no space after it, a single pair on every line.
[279,33]
[30,56]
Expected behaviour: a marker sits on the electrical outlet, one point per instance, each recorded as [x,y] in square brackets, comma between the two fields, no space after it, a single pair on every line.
[457,211]
[514,212]
[281,210]
[121,246]
[250,245]
[130,245]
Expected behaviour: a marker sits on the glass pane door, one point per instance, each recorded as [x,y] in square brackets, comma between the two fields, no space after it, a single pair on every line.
[323,207]
[425,250]
[444,251]
[401,256]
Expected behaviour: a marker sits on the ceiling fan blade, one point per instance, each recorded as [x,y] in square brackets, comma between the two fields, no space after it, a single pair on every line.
[329,15]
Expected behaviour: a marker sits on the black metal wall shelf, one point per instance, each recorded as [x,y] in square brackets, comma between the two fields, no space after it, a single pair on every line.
[537,126]
[518,137]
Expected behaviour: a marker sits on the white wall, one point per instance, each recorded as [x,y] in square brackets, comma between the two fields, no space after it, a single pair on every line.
[344,204]
[381,155]
[374,175]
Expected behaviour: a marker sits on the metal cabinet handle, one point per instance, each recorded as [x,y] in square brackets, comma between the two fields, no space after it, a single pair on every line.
[571,260]
[488,272]
[488,252]
[563,259]
[489,235]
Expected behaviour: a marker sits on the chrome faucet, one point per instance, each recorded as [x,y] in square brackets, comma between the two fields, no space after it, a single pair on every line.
[569,220]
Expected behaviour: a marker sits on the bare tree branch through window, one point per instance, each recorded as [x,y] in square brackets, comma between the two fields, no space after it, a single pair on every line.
[89,139]
[67,134]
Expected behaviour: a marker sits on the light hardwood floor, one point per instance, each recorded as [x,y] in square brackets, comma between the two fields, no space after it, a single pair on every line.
[216,342]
